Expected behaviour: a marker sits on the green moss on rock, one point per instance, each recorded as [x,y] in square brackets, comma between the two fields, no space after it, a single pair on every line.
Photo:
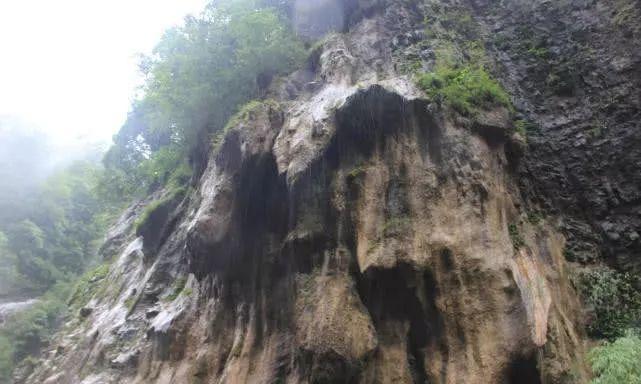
[515,236]
[87,286]
[246,113]
[155,207]
[177,289]
[465,88]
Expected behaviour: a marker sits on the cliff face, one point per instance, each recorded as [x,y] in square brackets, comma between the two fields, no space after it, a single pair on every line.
[573,67]
[347,230]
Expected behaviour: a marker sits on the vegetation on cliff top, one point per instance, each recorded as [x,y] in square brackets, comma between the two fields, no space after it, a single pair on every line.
[459,77]
[244,114]
[464,88]
[197,77]
[172,196]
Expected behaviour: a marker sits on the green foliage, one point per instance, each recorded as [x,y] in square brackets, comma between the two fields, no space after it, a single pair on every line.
[515,236]
[57,235]
[525,127]
[244,114]
[25,333]
[180,176]
[130,302]
[464,88]
[87,285]
[142,220]
[540,52]
[27,236]
[11,279]
[534,217]
[116,187]
[199,74]
[157,170]
[459,78]
[247,112]
[169,197]
[613,299]
[179,286]
[166,166]
[356,172]
[618,361]
[6,358]
[44,249]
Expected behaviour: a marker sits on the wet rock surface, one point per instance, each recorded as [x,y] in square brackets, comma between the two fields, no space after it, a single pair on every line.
[573,68]
[350,231]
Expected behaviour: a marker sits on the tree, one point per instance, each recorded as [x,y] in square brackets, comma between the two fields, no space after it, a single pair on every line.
[618,361]
[198,76]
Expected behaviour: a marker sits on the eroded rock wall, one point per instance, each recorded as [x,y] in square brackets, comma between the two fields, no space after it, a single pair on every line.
[573,67]
[350,231]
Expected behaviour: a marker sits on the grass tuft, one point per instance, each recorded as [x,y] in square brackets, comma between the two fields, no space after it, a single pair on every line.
[466,88]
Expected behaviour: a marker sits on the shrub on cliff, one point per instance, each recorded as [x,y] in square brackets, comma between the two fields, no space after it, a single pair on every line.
[244,114]
[613,300]
[86,286]
[197,77]
[464,88]
[618,361]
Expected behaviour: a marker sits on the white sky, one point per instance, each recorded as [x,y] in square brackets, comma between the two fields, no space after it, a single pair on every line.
[69,66]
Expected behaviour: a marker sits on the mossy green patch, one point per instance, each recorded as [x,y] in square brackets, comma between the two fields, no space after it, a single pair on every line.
[244,114]
[315,50]
[525,128]
[180,176]
[465,88]
[130,302]
[540,52]
[534,218]
[515,236]
[169,197]
[177,289]
[87,286]
[356,172]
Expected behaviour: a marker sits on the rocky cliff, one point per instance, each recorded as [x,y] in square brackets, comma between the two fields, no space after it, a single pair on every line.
[349,229]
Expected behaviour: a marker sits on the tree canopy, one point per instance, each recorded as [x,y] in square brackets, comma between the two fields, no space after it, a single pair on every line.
[198,75]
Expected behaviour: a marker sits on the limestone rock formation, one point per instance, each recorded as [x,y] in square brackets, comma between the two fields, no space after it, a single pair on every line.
[351,231]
